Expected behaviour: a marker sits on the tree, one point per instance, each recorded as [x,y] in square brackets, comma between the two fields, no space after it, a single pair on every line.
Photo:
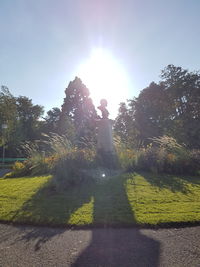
[28,117]
[152,112]
[79,110]
[171,107]
[125,124]
[21,118]
[144,117]
[8,115]
[51,120]
[183,89]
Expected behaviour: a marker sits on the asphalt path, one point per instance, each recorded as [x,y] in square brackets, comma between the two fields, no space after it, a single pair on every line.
[3,172]
[42,246]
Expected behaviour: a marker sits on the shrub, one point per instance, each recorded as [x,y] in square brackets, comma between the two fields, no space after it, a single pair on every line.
[38,165]
[168,143]
[66,174]
[68,169]
[43,154]
[19,169]
[164,155]
[126,157]
[192,161]
[56,155]
[56,144]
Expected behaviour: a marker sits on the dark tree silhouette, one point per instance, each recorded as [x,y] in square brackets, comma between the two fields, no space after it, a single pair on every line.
[78,109]
[171,107]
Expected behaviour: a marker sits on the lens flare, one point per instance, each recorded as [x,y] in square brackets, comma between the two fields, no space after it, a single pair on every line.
[105,78]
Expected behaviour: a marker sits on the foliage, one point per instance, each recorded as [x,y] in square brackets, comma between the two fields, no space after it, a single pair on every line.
[21,118]
[68,169]
[8,111]
[69,161]
[18,166]
[18,169]
[28,116]
[58,156]
[164,155]
[152,112]
[125,125]
[55,144]
[78,110]
[7,107]
[37,163]
[168,143]
[51,121]
[183,88]
[126,156]
[171,107]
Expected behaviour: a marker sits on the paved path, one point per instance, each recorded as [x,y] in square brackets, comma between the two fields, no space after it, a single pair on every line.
[41,246]
[3,172]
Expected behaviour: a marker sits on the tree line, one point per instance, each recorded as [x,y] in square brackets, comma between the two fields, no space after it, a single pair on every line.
[25,121]
[170,107]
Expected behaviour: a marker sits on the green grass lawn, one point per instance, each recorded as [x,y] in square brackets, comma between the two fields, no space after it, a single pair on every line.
[121,200]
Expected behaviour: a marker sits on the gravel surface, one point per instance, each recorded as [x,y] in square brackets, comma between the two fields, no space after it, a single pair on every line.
[42,246]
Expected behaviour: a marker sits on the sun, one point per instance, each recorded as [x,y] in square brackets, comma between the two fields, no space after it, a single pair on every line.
[105,78]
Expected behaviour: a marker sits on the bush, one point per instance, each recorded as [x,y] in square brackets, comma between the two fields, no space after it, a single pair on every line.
[68,162]
[56,155]
[38,165]
[168,143]
[66,174]
[126,157]
[195,160]
[43,154]
[165,155]
[68,169]
[19,169]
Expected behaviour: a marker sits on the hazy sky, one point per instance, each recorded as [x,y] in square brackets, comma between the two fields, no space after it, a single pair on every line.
[42,42]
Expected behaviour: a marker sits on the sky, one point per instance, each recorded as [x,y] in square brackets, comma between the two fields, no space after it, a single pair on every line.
[43,43]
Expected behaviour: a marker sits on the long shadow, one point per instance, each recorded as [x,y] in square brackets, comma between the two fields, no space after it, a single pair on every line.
[117,246]
[191,179]
[171,182]
[50,208]
[37,234]
[109,246]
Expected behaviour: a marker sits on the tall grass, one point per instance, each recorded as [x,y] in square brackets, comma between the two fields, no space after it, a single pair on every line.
[163,155]
[58,156]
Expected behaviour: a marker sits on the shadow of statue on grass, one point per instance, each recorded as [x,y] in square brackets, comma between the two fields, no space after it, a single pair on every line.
[49,208]
[174,183]
[110,207]
[117,246]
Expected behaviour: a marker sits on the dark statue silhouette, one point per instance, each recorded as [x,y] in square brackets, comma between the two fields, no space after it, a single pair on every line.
[103,108]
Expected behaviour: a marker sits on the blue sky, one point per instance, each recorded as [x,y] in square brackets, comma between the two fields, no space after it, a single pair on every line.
[42,42]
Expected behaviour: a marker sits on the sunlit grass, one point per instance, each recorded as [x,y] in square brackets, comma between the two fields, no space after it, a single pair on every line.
[161,199]
[14,193]
[83,215]
[121,200]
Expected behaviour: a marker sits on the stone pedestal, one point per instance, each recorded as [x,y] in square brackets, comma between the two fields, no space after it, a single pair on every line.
[105,146]
[105,136]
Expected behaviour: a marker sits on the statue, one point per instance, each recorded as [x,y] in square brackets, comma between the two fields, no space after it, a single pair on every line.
[103,108]
[105,144]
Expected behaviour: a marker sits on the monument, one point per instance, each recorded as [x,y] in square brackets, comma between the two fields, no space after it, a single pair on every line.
[105,144]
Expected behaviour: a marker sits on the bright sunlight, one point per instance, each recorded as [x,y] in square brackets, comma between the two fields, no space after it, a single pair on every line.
[105,78]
